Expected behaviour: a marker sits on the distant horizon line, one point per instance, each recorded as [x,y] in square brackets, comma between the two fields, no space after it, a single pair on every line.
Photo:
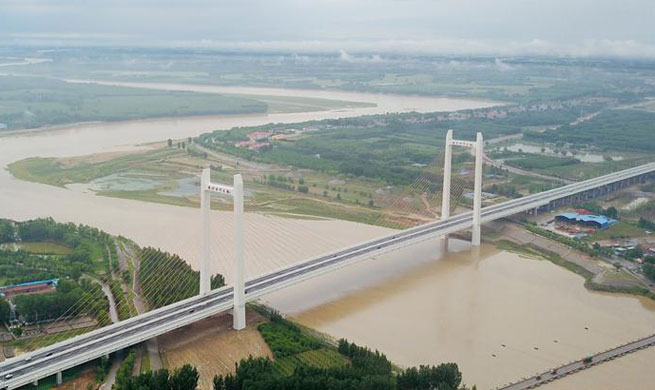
[354,50]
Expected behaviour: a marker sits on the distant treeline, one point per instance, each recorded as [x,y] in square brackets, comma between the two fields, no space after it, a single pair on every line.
[389,147]
[613,129]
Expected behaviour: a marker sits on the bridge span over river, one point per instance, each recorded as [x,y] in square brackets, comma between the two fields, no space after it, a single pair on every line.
[54,359]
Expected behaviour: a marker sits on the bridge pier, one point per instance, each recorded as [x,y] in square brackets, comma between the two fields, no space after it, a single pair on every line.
[59,378]
[35,383]
[205,206]
[478,148]
[477,189]
[239,311]
[236,191]
[447,168]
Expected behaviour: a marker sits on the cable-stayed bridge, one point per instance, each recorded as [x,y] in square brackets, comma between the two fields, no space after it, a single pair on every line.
[56,358]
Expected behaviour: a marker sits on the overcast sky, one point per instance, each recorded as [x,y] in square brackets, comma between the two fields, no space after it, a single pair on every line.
[489,27]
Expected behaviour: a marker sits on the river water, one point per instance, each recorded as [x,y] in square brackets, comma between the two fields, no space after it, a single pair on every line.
[274,241]
[500,316]
[415,304]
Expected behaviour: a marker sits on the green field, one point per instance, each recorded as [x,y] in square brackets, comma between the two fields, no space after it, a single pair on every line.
[51,171]
[319,358]
[619,230]
[45,248]
[30,102]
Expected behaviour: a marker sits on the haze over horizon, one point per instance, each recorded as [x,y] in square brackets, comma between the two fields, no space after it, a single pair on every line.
[584,28]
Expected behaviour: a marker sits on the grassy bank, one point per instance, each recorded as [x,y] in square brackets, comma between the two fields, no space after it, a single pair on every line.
[155,175]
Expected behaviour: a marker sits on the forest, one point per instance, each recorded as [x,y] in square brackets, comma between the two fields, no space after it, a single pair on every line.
[35,308]
[85,246]
[85,253]
[625,130]
[393,147]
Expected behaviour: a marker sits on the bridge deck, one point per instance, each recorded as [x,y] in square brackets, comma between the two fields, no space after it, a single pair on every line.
[571,368]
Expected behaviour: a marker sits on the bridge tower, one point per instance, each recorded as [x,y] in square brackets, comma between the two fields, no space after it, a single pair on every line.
[478,148]
[236,192]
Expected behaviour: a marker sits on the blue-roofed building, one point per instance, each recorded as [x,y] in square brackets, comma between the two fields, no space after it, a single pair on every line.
[595,221]
[35,287]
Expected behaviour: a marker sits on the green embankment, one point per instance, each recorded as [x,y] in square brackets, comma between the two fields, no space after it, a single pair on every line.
[31,102]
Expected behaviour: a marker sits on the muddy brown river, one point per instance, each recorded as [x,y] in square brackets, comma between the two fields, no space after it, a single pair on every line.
[497,315]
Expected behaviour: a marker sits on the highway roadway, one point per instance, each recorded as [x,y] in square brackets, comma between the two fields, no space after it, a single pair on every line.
[47,361]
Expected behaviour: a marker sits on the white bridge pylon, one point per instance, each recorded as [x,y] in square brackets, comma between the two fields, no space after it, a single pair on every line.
[236,192]
[478,149]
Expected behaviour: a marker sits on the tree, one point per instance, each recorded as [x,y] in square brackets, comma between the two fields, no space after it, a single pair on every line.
[371,203]
[4,311]
[184,378]
[649,271]
[612,212]
[6,231]
[219,383]
[634,253]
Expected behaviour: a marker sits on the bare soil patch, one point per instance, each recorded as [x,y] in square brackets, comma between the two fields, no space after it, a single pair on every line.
[212,346]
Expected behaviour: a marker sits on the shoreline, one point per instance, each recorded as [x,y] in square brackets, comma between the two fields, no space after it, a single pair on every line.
[513,244]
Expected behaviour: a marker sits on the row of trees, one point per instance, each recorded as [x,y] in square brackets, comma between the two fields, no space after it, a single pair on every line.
[593,250]
[166,278]
[50,306]
[611,211]
[367,371]
[183,378]
[46,229]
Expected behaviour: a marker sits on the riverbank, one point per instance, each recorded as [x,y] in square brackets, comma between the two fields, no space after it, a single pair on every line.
[495,313]
[598,275]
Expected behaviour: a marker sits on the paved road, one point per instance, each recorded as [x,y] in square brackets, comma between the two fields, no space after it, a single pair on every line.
[72,352]
[491,162]
[571,368]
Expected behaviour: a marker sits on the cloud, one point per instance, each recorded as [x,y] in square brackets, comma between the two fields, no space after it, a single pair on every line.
[356,30]
[361,50]
[503,67]
[345,57]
